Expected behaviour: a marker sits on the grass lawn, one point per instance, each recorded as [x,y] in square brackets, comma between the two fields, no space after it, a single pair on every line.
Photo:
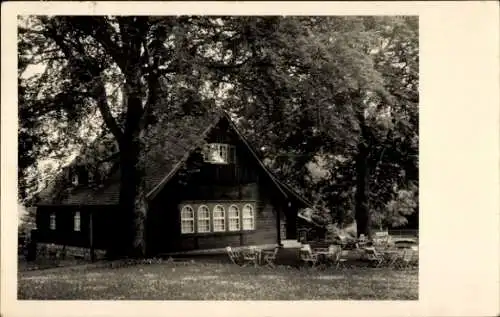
[205,280]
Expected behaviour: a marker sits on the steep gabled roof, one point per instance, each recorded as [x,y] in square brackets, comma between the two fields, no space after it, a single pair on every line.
[168,145]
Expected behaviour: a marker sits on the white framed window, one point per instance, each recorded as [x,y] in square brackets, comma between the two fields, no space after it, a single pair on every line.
[74,179]
[203,219]
[187,219]
[219,153]
[219,217]
[234,218]
[76,221]
[248,217]
[52,223]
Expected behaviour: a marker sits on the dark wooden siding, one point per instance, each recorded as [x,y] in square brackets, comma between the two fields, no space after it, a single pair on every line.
[64,233]
[165,235]
[210,183]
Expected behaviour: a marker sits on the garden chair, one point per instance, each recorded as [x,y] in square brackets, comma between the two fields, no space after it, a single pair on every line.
[341,259]
[233,255]
[410,259]
[343,240]
[399,263]
[52,252]
[391,259]
[250,256]
[374,256]
[362,239]
[270,256]
[333,250]
[307,256]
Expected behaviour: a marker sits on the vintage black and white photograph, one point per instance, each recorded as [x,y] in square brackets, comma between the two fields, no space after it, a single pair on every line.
[199,157]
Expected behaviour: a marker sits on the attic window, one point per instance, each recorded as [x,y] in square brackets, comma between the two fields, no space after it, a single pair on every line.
[74,179]
[219,153]
[79,175]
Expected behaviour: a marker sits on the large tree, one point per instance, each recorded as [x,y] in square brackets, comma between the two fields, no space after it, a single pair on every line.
[119,67]
[338,89]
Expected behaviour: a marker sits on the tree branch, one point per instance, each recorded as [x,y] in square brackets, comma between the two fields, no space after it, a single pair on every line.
[152,82]
[227,66]
[100,29]
[102,104]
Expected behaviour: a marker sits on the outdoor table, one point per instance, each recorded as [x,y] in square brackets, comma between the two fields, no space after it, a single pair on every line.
[260,253]
[255,251]
[322,256]
[391,256]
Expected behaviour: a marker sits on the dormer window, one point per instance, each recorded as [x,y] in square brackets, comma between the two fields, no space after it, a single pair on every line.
[79,175]
[74,179]
[90,177]
[219,153]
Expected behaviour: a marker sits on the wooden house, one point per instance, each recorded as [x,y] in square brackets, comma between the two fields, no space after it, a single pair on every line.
[205,185]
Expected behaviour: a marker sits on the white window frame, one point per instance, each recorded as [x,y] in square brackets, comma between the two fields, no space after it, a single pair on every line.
[185,218]
[226,153]
[74,179]
[201,219]
[52,221]
[246,216]
[77,221]
[223,218]
[233,217]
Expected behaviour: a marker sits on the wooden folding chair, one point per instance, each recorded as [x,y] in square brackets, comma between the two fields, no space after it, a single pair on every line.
[341,259]
[391,259]
[405,259]
[269,257]
[415,259]
[362,239]
[333,250]
[307,256]
[234,256]
[374,256]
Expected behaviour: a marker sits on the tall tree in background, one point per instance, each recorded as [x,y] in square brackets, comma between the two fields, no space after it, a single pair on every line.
[332,88]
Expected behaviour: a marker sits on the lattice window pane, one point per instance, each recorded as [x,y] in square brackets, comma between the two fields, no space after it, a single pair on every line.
[248,217]
[52,223]
[247,223]
[187,226]
[219,218]
[77,221]
[234,218]
[219,153]
[187,219]
[203,219]
[219,225]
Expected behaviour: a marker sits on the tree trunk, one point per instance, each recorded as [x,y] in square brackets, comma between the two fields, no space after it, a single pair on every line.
[140,210]
[362,206]
[133,204]
[362,209]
